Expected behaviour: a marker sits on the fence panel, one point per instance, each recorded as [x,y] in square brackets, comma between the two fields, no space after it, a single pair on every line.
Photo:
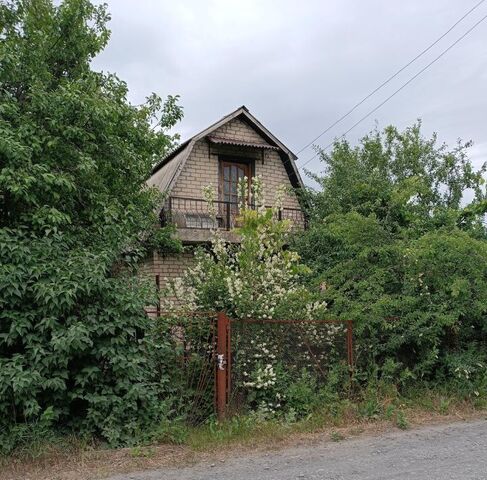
[265,354]
[189,351]
[227,366]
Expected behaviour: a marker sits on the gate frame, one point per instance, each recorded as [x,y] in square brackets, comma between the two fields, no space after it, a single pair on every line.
[223,350]
[223,364]
[224,355]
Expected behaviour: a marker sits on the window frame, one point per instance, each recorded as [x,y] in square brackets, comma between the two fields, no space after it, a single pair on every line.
[225,160]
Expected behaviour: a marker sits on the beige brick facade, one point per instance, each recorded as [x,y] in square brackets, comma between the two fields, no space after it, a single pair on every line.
[202,168]
[167,268]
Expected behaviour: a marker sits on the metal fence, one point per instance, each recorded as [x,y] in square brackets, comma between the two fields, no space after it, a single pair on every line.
[217,360]
[266,353]
[188,345]
[193,213]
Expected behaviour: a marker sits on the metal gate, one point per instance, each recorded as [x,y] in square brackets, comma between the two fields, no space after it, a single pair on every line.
[210,354]
[301,345]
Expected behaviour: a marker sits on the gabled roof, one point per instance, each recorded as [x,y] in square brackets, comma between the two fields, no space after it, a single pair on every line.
[167,170]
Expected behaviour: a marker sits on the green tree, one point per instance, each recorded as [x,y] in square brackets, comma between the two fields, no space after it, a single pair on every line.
[401,178]
[258,278]
[75,217]
[398,248]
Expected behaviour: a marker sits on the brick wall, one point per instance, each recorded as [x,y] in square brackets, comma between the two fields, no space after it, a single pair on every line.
[202,166]
[172,266]
[274,174]
[200,170]
[236,129]
[168,267]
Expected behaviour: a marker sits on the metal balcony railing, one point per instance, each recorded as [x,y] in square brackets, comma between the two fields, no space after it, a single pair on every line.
[193,213]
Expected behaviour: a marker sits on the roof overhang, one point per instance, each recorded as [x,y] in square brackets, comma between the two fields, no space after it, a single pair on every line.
[239,143]
[181,153]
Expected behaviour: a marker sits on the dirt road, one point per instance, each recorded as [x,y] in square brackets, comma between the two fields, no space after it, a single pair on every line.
[443,452]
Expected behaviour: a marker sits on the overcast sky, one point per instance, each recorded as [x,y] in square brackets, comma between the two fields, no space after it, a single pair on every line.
[299,65]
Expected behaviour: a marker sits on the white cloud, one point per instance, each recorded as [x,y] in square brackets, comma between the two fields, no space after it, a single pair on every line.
[299,65]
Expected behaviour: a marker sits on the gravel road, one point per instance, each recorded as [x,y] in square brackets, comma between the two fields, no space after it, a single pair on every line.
[443,452]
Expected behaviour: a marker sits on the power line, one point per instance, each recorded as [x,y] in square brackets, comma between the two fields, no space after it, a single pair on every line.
[390,78]
[399,89]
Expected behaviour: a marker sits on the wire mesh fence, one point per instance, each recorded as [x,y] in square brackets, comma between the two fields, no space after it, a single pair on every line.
[227,366]
[270,357]
[188,349]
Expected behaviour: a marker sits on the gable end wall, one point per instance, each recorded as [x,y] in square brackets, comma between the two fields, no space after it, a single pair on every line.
[201,168]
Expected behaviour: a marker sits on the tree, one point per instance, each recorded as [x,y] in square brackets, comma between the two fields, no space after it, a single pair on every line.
[401,178]
[75,217]
[398,248]
[259,278]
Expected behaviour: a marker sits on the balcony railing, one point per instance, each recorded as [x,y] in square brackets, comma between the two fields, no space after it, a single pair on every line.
[193,213]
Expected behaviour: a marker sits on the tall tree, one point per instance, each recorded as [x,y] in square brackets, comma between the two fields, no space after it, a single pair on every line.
[398,246]
[75,216]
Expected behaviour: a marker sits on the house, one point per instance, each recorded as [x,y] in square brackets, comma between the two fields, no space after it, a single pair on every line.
[236,146]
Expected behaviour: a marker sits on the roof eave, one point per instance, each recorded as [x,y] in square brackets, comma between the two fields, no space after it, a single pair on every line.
[241,111]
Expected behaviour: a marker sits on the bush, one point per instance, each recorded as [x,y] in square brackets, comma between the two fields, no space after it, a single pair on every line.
[301,394]
[75,218]
[395,250]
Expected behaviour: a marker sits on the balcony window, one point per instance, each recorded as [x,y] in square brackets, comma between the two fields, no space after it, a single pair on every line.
[230,175]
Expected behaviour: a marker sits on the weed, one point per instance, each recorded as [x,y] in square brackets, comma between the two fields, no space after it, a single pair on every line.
[370,408]
[389,412]
[444,406]
[401,420]
[141,452]
[170,431]
[336,436]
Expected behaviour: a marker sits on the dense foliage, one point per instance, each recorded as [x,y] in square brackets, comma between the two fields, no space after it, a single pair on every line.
[74,219]
[397,246]
[276,368]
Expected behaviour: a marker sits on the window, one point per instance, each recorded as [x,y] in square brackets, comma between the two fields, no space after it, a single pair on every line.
[230,175]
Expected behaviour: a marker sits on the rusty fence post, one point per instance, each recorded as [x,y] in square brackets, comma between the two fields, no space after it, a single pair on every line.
[222,375]
[350,344]
[229,362]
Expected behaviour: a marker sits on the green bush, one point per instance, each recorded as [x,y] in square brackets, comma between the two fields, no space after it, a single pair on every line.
[75,218]
[394,248]
[301,395]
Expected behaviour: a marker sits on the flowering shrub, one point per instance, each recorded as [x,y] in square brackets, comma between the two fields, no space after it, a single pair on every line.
[283,367]
[257,278]
[258,372]
[261,279]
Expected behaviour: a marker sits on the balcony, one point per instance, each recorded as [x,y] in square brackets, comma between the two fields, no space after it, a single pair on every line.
[194,221]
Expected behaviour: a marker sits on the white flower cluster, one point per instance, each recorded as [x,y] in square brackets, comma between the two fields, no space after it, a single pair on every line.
[209,196]
[467,371]
[279,200]
[248,280]
[263,377]
[257,362]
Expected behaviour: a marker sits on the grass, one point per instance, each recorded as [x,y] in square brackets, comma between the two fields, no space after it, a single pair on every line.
[377,409]
[239,429]
[375,406]
[142,452]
